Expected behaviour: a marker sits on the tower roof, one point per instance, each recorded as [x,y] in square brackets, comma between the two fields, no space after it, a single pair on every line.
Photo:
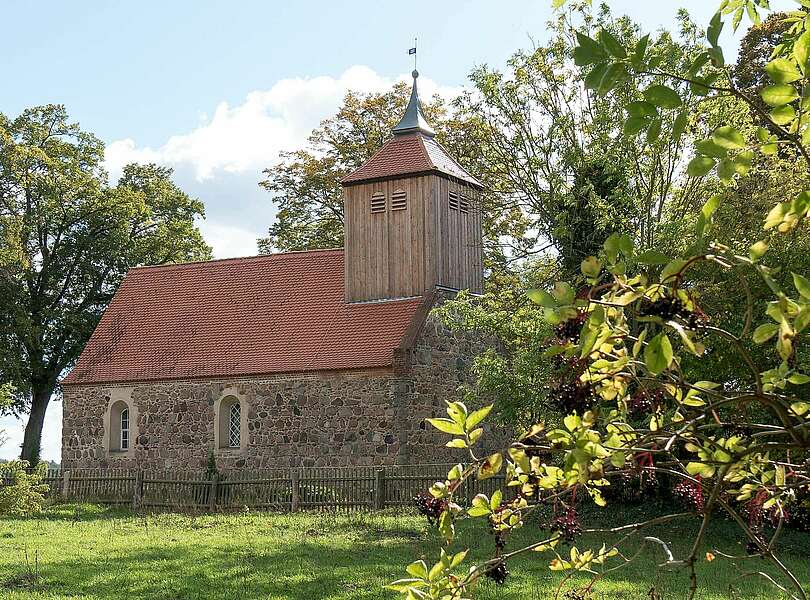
[413,119]
[412,150]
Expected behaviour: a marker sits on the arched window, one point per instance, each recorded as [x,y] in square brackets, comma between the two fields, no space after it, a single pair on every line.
[124,437]
[121,427]
[234,425]
[229,426]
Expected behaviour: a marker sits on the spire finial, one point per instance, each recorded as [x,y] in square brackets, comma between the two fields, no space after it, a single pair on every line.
[413,120]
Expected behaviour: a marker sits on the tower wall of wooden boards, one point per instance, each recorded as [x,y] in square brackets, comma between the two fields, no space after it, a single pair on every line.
[402,253]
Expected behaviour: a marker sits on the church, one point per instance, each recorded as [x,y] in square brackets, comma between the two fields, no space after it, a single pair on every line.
[313,358]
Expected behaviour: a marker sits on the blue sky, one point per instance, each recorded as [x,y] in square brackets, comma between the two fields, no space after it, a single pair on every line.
[216,89]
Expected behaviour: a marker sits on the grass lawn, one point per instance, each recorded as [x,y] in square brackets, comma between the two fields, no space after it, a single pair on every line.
[83,551]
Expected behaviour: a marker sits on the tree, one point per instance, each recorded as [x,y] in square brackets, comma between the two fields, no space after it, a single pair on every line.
[548,140]
[626,326]
[67,238]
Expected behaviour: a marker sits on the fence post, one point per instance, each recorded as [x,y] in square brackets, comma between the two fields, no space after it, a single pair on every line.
[296,490]
[137,496]
[212,493]
[379,490]
[66,484]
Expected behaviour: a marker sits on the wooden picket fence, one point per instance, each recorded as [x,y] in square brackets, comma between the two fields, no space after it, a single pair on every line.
[319,488]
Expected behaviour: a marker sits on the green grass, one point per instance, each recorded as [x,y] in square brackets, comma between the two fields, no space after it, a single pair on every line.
[94,552]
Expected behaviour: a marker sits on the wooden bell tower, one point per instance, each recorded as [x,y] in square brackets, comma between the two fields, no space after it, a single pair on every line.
[412,218]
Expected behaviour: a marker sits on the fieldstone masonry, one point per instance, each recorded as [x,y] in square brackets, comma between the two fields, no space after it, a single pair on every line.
[343,418]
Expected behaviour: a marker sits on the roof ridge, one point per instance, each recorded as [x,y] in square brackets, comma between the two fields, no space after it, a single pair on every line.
[272,255]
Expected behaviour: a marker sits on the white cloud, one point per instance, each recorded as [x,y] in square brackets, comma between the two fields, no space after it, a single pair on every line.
[229,241]
[250,135]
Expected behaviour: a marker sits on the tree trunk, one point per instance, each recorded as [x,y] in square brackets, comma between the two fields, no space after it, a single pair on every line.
[32,441]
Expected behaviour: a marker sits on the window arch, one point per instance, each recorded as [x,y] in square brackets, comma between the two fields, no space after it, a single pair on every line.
[230,423]
[120,427]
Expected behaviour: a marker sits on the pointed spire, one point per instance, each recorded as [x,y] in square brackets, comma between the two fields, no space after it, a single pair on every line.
[413,120]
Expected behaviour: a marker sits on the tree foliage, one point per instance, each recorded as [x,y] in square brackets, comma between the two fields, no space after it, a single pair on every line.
[66,240]
[632,327]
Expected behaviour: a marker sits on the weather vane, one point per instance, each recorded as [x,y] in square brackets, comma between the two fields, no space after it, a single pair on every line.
[413,51]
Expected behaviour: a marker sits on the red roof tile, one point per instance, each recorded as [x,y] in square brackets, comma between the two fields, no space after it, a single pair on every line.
[248,316]
[406,154]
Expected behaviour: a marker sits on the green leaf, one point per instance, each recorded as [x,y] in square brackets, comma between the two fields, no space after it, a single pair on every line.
[800,408]
[491,466]
[802,285]
[781,70]
[640,108]
[799,379]
[654,131]
[765,332]
[588,52]
[699,166]
[672,269]
[641,49]
[697,468]
[801,51]
[591,267]
[542,297]
[418,569]
[611,44]
[477,416]
[658,354]
[446,527]
[726,169]
[709,147]
[614,73]
[447,426]
[728,137]
[456,443]
[679,125]
[756,251]
[633,125]
[715,27]
[497,497]
[594,77]
[782,115]
[662,96]
[779,95]
[653,257]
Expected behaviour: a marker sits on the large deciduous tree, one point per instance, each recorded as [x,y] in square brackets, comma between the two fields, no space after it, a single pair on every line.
[66,240]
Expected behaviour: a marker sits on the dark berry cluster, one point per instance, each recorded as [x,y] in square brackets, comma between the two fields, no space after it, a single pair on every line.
[689,494]
[670,307]
[645,401]
[573,395]
[568,525]
[498,573]
[430,507]
[569,331]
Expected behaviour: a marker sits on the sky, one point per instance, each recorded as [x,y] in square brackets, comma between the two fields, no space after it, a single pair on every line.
[217,89]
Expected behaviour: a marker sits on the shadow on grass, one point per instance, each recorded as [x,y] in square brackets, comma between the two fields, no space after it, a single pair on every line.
[348,557]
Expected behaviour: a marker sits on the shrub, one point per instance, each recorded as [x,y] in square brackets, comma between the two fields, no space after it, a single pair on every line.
[21,489]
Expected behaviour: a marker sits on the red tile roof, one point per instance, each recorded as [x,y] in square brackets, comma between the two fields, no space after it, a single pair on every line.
[247,316]
[407,154]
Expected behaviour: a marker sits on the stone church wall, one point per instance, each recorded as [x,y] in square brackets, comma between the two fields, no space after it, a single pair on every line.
[324,419]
